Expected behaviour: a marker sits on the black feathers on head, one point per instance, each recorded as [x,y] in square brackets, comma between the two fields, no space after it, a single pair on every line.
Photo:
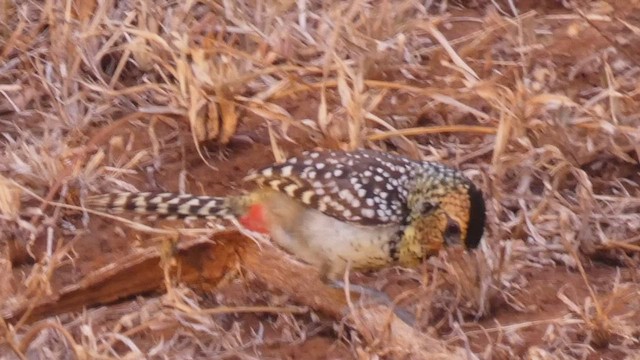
[477,218]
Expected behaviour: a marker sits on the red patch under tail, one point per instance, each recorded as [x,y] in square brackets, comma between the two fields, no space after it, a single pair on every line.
[254,219]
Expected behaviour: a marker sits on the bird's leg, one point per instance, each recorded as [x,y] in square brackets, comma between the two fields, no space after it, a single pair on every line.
[377,295]
[380,296]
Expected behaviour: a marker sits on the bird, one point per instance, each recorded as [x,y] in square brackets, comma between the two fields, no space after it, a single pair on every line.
[362,210]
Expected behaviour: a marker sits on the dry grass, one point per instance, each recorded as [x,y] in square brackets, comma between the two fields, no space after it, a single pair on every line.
[538,104]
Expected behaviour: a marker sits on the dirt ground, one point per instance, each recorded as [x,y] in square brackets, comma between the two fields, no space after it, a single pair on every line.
[548,130]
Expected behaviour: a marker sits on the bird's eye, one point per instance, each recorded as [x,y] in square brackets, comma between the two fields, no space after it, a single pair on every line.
[427,208]
[452,233]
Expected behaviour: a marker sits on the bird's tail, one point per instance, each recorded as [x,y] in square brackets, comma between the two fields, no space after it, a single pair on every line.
[167,205]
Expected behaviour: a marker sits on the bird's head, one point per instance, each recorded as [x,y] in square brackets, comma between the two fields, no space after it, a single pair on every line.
[464,216]
[448,209]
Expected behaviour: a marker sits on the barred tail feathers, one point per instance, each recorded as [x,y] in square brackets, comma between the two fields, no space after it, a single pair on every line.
[164,205]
